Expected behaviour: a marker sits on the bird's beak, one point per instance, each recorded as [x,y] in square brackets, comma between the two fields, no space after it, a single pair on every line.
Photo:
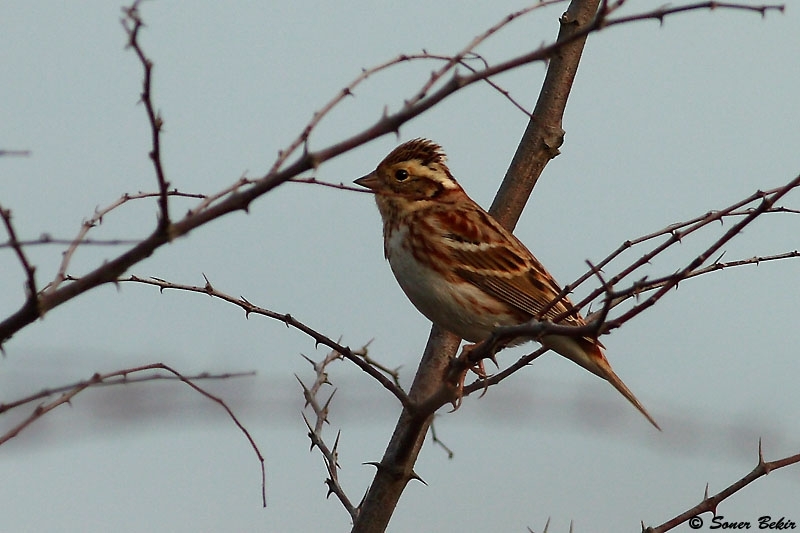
[370,181]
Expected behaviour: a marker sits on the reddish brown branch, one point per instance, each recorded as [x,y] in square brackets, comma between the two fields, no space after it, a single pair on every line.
[289,320]
[710,503]
[95,221]
[31,299]
[768,200]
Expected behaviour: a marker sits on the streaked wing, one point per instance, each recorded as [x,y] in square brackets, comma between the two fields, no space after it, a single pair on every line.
[492,259]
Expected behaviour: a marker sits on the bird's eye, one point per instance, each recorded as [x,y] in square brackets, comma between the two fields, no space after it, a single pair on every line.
[401,174]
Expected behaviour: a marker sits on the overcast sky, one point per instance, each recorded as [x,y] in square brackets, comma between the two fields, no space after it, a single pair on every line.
[664,123]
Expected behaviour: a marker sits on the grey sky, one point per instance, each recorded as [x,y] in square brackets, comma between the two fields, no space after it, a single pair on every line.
[664,123]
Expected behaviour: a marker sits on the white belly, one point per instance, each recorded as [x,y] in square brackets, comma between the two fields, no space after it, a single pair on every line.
[460,308]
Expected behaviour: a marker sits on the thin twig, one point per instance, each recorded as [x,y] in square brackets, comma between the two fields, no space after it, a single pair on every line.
[330,455]
[287,319]
[96,220]
[132,22]
[710,503]
[48,240]
[30,270]
[122,379]
[67,396]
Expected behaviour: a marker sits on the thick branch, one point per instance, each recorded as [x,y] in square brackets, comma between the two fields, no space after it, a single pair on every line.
[397,466]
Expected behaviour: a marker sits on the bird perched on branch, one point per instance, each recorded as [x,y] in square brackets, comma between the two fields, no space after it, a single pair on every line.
[461,268]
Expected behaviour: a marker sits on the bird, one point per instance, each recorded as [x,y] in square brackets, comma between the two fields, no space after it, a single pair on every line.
[461,268]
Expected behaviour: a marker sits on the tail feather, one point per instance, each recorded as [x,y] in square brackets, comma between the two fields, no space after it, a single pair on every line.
[589,354]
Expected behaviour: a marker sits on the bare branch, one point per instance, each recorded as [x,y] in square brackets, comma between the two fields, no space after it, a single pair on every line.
[119,377]
[132,22]
[439,442]
[646,285]
[675,234]
[287,319]
[95,221]
[122,378]
[340,185]
[46,239]
[329,454]
[30,271]
[710,503]
[768,200]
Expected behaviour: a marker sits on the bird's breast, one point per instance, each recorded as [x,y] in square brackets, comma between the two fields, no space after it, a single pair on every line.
[439,293]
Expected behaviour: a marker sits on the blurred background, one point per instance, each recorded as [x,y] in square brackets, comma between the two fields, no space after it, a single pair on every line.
[665,122]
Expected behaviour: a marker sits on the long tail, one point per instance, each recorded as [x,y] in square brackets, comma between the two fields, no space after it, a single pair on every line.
[589,354]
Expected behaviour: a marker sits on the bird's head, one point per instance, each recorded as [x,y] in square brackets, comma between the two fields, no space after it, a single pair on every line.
[413,172]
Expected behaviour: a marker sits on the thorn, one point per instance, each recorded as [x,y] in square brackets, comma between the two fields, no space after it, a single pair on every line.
[328,402]
[313,364]
[376,464]
[414,475]
[705,493]
[336,442]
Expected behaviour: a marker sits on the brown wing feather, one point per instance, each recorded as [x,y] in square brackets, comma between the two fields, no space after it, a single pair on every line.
[494,260]
[521,292]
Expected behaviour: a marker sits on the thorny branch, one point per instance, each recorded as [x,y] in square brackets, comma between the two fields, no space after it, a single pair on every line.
[461,58]
[29,269]
[597,322]
[536,328]
[329,454]
[132,22]
[710,503]
[679,231]
[379,373]
[47,239]
[767,202]
[120,377]
[95,221]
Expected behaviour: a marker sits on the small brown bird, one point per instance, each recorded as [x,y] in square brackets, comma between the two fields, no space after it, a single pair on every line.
[460,267]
